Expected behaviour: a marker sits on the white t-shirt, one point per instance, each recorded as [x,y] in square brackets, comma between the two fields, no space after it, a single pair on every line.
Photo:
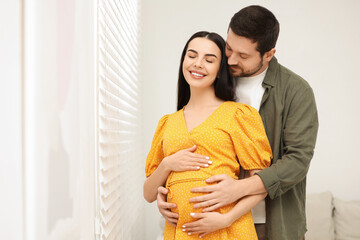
[249,90]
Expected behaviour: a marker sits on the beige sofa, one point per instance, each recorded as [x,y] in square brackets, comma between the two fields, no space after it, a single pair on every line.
[329,218]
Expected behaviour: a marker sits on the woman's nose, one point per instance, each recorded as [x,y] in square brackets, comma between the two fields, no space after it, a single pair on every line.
[198,63]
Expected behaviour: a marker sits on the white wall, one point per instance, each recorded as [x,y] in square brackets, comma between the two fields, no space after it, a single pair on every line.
[60,129]
[319,40]
[11,221]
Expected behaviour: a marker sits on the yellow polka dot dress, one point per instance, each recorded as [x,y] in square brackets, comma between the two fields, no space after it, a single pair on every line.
[232,136]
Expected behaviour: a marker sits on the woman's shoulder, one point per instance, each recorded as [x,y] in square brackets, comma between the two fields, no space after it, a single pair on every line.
[241,113]
[241,107]
[171,116]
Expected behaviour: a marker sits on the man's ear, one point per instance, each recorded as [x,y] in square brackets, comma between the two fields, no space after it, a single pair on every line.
[269,55]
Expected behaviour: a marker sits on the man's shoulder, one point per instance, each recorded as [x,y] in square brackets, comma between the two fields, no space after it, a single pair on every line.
[285,79]
[292,78]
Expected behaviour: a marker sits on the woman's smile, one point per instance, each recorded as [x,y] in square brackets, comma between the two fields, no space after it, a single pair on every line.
[197,75]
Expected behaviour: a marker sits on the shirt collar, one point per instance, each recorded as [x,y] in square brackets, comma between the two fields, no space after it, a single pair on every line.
[270,77]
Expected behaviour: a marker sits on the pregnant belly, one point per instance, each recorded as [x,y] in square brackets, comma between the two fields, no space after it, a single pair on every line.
[179,193]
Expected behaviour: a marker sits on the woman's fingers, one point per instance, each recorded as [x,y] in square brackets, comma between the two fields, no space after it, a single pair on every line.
[198,156]
[172,221]
[186,160]
[201,235]
[193,166]
[202,162]
[191,149]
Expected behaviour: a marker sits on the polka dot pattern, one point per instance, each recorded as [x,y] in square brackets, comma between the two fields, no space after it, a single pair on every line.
[232,136]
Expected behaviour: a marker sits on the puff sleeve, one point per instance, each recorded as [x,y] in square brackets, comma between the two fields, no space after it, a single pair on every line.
[250,141]
[156,153]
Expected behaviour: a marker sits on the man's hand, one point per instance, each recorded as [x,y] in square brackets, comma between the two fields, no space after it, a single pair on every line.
[164,207]
[226,191]
[206,223]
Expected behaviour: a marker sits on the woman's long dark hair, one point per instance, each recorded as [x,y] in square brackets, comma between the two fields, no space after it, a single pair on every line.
[223,85]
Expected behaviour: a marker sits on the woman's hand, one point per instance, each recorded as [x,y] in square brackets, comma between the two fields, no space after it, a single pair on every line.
[164,207]
[207,223]
[186,160]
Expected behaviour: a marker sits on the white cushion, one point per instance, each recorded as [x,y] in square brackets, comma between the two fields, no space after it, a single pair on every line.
[347,219]
[319,212]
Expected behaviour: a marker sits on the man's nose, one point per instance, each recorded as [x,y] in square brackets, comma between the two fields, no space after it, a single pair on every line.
[232,60]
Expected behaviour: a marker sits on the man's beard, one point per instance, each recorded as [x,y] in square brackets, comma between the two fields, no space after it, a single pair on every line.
[248,73]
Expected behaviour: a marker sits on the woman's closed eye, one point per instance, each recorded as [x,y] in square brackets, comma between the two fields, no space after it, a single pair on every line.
[210,59]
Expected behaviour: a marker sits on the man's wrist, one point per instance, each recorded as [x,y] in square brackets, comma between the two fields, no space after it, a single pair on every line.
[239,189]
[250,186]
[256,185]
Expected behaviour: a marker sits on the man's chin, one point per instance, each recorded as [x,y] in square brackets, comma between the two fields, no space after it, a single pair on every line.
[235,74]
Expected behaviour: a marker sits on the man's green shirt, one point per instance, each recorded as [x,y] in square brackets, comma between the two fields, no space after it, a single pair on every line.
[288,110]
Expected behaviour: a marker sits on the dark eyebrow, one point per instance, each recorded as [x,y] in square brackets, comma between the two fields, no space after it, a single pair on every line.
[241,53]
[207,55]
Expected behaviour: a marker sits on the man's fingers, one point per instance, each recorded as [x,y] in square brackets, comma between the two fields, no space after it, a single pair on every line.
[205,189]
[200,199]
[216,178]
[212,208]
[205,203]
[203,198]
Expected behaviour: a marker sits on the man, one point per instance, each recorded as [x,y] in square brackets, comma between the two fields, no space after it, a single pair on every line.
[287,106]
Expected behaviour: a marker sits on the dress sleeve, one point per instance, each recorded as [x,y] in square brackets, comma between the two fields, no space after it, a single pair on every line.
[250,141]
[156,153]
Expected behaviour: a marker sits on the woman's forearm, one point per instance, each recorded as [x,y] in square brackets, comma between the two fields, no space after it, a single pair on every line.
[250,200]
[244,205]
[156,179]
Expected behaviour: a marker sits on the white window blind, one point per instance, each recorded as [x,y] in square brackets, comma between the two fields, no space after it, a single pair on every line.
[120,167]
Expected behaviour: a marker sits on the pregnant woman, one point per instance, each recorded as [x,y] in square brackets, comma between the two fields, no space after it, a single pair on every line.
[208,135]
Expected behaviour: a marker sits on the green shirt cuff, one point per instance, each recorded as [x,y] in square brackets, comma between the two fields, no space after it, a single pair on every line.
[271,181]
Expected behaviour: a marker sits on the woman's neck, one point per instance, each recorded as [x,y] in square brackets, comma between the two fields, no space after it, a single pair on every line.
[202,98]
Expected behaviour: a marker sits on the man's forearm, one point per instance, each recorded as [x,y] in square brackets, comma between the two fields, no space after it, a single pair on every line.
[250,186]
